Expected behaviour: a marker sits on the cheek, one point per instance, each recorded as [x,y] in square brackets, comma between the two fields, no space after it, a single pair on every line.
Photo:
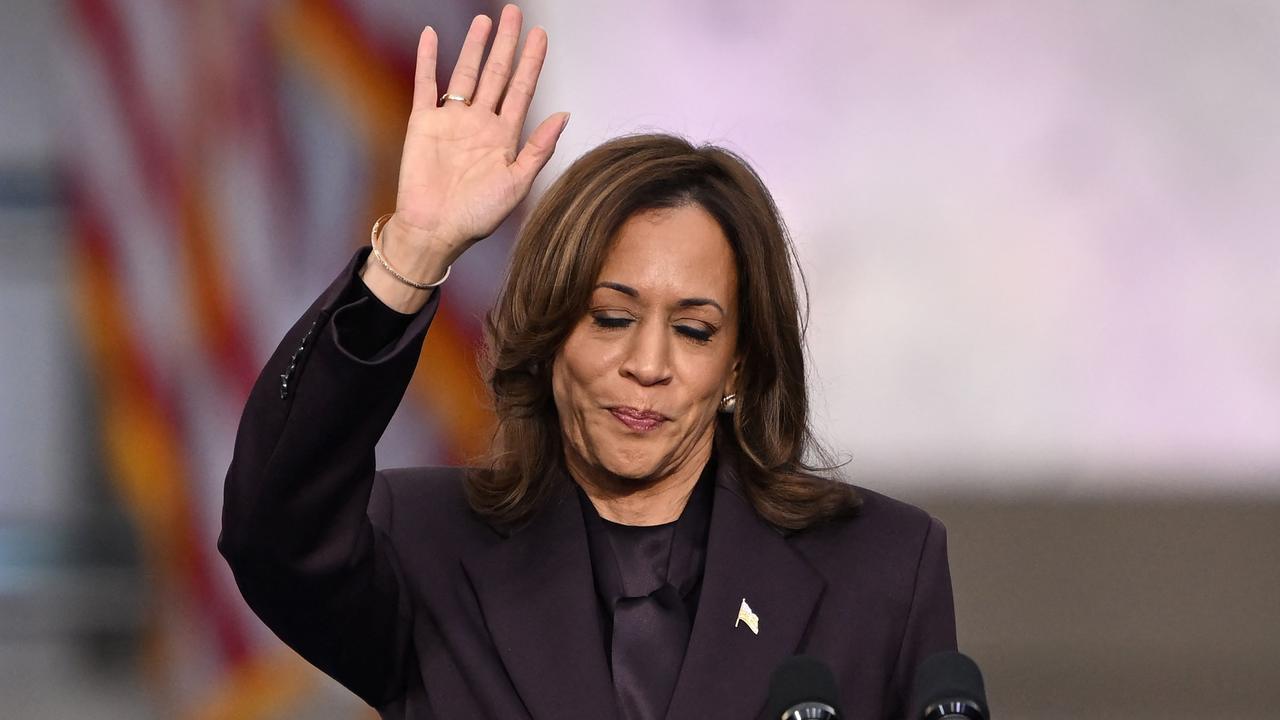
[710,377]
[563,390]
[572,374]
[562,393]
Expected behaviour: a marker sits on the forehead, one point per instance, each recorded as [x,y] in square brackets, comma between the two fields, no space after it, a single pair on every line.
[679,251]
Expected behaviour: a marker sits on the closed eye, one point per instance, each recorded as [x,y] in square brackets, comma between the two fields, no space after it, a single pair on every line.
[697,334]
[610,322]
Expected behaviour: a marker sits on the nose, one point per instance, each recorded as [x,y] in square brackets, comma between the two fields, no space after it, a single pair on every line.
[647,359]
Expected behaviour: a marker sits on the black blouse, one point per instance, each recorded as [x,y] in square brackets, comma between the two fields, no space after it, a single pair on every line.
[662,564]
[625,558]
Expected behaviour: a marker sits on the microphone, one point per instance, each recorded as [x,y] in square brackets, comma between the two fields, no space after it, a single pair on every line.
[949,687]
[802,688]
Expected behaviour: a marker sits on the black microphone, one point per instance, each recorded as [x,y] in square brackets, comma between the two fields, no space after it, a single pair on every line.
[949,687]
[802,688]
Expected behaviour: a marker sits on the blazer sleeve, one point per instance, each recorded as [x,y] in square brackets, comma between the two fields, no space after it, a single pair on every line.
[295,525]
[931,621]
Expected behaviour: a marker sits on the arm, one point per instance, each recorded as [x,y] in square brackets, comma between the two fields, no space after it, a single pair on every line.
[931,622]
[296,532]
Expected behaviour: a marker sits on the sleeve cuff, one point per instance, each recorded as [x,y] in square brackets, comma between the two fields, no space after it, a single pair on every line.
[368,326]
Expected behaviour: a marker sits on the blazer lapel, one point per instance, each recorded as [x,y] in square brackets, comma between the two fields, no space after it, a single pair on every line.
[726,668]
[538,598]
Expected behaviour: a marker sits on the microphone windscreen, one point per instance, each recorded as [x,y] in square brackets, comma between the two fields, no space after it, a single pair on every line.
[947,676]
[800,679]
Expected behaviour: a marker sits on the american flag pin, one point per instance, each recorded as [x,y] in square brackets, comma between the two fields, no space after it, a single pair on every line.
[746,616]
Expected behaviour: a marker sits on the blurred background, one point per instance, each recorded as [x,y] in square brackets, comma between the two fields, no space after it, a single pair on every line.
[1042,242]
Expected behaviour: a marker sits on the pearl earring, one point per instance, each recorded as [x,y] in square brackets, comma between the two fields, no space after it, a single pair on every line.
[729,403]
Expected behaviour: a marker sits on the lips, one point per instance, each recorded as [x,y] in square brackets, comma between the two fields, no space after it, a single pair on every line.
[638,420]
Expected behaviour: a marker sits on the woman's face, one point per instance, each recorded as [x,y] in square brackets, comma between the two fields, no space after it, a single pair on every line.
[639,380]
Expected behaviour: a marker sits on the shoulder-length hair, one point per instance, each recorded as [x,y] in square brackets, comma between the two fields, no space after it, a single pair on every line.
[556,263]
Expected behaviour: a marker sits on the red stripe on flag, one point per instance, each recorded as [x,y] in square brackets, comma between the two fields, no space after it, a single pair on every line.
[101,26]
[172,189]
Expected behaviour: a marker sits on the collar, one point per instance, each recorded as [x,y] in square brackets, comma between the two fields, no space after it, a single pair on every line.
[688,542]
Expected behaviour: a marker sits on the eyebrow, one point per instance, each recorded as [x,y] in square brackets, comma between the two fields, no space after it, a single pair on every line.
[685,302]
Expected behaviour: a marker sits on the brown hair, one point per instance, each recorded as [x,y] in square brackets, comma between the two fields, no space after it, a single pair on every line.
[555,265]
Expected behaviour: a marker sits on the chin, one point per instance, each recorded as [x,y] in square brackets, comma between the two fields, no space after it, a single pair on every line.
[632,464]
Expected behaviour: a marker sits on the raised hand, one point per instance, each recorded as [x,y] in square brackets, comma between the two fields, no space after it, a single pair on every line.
[462,170]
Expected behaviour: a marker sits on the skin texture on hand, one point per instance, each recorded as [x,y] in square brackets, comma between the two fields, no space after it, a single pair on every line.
[462,169]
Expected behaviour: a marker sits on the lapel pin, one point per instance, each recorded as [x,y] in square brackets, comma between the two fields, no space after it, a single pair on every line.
[746,616]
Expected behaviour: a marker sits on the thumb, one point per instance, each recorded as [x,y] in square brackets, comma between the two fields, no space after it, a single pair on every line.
[538,148]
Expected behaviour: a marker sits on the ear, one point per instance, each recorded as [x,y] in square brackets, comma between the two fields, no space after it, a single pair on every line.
[731,382]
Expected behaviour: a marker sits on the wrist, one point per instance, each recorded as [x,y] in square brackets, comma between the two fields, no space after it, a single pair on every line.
[390,291]
[412,258]
[419,247]
[393,269]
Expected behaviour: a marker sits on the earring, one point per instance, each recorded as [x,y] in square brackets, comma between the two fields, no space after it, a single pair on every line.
[729,403]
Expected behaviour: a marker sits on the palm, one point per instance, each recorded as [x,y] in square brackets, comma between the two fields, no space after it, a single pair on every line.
[461,172]
[456,174]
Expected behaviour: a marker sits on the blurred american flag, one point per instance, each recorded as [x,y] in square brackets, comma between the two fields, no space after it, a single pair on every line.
[224,159]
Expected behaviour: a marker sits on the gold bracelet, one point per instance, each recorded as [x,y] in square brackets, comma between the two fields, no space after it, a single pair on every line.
[373,240]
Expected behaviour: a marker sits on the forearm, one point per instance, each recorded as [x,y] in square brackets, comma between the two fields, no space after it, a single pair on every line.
[304,449]
[296,532]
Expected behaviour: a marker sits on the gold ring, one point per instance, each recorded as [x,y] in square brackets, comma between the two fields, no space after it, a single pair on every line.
[451,96]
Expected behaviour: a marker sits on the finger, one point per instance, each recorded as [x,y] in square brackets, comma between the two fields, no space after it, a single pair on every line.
[424,75]
[515,106]
[463,80]
[497,69]
[537,150]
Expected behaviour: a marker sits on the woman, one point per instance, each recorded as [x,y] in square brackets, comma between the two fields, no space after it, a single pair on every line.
[645,539]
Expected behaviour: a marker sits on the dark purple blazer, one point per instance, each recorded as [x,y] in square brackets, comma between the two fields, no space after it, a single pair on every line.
[389,583]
